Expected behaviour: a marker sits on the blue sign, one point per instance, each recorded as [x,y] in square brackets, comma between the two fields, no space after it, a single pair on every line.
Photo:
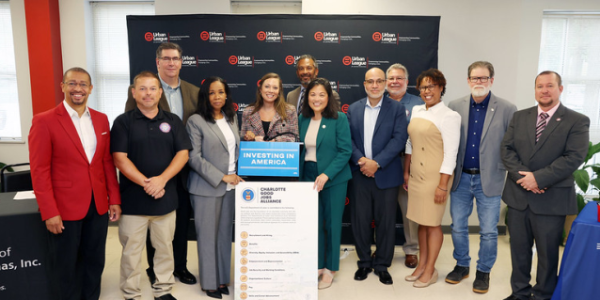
[276,159]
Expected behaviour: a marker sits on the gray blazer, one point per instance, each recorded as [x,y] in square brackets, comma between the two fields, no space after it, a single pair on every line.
[498,116]
[560,151]
[292,98]
[209,160]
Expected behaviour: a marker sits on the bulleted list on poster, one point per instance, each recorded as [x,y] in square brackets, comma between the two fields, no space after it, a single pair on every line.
[276,240]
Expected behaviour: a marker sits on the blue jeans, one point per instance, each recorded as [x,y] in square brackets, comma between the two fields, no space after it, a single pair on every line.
[488,211]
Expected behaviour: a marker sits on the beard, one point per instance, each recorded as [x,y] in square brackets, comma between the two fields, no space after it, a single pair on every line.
[480,90]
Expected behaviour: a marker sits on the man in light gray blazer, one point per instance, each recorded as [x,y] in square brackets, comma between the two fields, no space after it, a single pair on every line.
[307,69]
[479,173]
[541,149]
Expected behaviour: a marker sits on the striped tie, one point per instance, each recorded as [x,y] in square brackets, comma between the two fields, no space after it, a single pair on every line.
[301,101]
[541,125]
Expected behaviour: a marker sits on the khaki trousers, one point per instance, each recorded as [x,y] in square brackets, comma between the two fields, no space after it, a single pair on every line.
[132,234]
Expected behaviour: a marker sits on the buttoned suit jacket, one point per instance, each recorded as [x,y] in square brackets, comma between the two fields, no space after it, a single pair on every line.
[292,97]
[63,178]
[561,149]
[334,148]
[389,139]
[209,160]
[251,122]
[497,117]
[189,94]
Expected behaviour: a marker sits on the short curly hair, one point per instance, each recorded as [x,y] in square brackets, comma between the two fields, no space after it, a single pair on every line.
[436,77]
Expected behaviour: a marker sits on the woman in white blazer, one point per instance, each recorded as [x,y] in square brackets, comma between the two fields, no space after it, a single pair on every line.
[214,133]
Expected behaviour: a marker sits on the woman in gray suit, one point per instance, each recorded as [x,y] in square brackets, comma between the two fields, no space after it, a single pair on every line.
[214,133]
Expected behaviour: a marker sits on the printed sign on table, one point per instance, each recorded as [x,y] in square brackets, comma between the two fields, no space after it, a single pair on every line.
[276,240]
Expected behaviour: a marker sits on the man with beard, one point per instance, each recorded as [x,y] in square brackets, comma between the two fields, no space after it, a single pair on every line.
[479,173]
[307,69]
[378,129]
[397,82]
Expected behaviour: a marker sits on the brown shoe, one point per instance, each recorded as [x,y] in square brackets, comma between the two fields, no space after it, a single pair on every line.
[411,261]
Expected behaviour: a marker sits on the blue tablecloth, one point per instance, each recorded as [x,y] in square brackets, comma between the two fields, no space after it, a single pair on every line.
[579,276]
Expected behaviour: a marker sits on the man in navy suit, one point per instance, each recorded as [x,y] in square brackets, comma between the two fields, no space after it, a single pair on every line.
[378,127]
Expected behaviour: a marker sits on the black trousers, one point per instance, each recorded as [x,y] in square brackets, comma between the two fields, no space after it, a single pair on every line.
[525,227]
[180,241]
[372,203]
[78,256]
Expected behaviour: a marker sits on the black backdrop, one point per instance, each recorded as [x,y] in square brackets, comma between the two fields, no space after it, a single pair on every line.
[242,48]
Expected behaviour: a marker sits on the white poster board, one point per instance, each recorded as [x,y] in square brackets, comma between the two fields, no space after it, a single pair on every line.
[276,241]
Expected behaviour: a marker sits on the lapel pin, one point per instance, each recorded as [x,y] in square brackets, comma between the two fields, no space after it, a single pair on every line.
[324,126]
[492,109]
[557,119]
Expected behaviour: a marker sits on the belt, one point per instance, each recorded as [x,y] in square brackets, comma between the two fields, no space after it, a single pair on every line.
[471,171]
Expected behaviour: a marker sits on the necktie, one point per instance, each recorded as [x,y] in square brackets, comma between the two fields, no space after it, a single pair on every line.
[541,125]
[301,101]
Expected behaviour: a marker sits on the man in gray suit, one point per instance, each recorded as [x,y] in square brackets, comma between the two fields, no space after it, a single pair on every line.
[181,98]
[307,69]
[541,149]
[478,174]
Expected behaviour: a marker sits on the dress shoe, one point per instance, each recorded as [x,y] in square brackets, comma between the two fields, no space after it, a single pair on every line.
[459,273]
[165,297]
[481,284]
[411,261]
[414,277]
[384,277]
[185,276]
[362,273]
[151,276]
[420,284]
[326,280]
[223,290]
[214,294]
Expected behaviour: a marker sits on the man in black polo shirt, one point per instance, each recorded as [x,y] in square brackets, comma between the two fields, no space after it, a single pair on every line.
[150,146]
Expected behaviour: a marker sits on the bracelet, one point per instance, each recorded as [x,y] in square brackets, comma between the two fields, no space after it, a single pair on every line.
[442,189]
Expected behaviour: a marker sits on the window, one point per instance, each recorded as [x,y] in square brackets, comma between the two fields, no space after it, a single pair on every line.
[10,117]
[571,47]
[111,77]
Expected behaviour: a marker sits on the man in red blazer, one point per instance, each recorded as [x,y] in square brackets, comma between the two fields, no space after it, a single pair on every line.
[75,185]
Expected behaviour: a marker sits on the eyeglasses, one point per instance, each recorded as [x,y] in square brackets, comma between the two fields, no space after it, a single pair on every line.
[429,87]
[371,81]
[482,79]
[73,84]
[170,59]
[396,78]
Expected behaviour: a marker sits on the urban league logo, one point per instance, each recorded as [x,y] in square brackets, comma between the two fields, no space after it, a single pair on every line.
[385,37]
[355,61]
[261,36]
[248,195]
[189,61]
[345,108]
[269,36]
[236,107]
[157,37]
[327,37]
[318,36]
[241,61]
[204,35]
[212,36]
[377,36]
[290,59]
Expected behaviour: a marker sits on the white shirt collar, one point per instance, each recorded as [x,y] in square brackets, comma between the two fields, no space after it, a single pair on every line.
[74,113]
